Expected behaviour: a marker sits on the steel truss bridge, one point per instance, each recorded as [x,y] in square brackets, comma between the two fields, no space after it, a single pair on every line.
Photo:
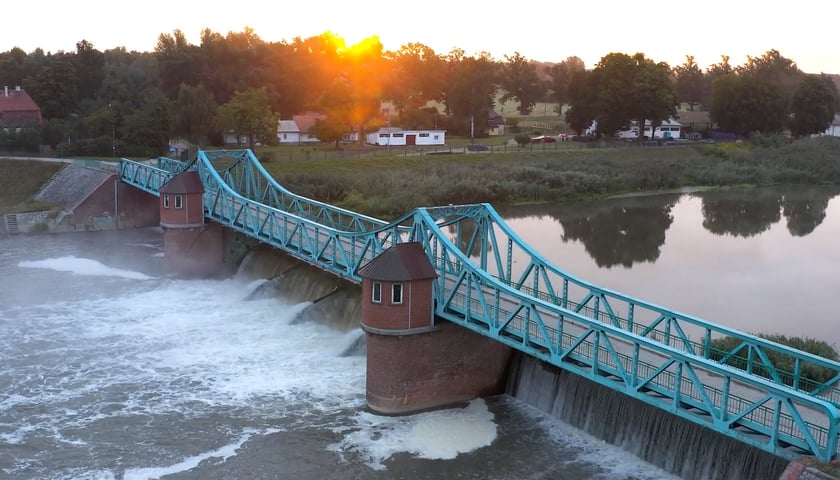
[492,282]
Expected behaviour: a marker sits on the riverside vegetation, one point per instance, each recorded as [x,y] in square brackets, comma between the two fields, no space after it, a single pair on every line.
[391,186]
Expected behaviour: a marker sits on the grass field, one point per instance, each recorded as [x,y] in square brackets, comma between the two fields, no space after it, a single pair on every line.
[20,181]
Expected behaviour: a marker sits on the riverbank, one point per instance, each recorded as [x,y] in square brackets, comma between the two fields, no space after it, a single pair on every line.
[388,187]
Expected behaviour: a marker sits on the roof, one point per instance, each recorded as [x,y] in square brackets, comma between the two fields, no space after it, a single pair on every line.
[399,263]
[306,120]
[495,118]
[184,182]
[16,106]
[694,116]
[70,186]
[288,126]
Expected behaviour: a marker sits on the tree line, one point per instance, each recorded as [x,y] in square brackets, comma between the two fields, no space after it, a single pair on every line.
[132,103]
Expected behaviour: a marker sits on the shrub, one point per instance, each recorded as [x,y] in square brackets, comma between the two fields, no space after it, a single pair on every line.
[723,346]
[39,227]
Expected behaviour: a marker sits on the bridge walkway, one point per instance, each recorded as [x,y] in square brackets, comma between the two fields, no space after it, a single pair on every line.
[493,283]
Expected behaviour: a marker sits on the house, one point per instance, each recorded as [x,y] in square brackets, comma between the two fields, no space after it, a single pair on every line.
[695,120]
[17,109]
[834,129]
[495,123]
[388,136]
[294,131]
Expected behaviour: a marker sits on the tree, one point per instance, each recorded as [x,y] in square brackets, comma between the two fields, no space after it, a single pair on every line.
[518,78]
[470,92]
[714,72]
[54,87]
[90,69]
[415,77]
[689,80]
[336,104]
[178,62]
[560,76]
[774,69]
[194,110]
[149,128]
[619,90]
[746,105]
[248,113]
[16,65]
[583,97]
[611,93]
[653,92]
[812,106]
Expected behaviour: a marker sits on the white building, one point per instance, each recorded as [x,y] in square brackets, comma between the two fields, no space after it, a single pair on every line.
[834,129]
[399,137]
[295,131]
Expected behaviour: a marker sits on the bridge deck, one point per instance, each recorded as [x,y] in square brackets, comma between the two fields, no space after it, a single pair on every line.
[626,344]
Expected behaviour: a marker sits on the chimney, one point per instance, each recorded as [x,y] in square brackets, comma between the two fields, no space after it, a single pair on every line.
[17,88]
[6,90]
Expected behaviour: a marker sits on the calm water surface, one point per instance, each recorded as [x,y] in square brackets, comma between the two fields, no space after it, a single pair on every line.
[758,260]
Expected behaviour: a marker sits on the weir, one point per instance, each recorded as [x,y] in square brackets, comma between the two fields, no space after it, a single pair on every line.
[678,446]
[488,281]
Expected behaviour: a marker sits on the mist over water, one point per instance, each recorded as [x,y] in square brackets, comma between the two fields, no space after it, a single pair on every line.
[114,370]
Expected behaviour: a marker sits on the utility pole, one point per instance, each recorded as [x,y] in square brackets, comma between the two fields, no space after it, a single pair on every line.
[113,133]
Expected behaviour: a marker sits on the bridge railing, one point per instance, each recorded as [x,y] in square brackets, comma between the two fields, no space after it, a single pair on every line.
[143,176]
[747,407]
[496,248]
[338,251]
[247,176]
[527,313]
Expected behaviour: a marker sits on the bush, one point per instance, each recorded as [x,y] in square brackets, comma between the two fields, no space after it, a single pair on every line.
[40,227]
[522,139]
[785,363]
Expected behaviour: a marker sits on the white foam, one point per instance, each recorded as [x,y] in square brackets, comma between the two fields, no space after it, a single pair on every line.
[225,452]
[441,434]
[82,266]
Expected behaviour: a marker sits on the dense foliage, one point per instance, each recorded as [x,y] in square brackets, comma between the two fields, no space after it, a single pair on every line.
[125,103]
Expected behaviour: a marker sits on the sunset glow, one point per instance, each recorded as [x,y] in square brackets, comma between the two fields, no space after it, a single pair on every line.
[546,32]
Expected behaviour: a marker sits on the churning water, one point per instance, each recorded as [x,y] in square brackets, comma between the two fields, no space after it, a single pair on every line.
[109,369]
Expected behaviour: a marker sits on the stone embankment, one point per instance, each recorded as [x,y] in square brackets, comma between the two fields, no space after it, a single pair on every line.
[87,195]
[797,470]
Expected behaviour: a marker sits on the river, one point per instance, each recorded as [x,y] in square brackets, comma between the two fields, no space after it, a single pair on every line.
[114,370]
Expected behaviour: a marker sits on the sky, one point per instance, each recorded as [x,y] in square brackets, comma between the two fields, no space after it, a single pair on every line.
[804,31]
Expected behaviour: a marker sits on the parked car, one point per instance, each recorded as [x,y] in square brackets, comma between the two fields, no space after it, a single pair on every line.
[543,139]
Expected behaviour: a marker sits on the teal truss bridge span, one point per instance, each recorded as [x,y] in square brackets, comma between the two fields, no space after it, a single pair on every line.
[492,282]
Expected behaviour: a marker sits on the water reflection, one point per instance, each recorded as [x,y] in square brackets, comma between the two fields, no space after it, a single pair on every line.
[614,232]
[628,230]
[805,207]
[742,212]
[759,260]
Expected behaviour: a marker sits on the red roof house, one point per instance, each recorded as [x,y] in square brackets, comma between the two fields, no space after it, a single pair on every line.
[17,109]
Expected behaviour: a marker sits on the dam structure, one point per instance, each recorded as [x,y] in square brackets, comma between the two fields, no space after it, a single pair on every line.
[479,277]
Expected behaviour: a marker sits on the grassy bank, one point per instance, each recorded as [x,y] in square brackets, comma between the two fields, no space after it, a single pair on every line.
[20,180]
[387,187]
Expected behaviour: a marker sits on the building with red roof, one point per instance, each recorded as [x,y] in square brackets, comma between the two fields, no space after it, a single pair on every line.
[17,109]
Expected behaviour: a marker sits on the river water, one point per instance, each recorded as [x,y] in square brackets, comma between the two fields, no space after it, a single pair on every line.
[113,370]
